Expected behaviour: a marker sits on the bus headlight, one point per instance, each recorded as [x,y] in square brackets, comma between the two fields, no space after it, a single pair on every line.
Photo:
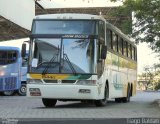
[34,81]
[1,73]
[86,82]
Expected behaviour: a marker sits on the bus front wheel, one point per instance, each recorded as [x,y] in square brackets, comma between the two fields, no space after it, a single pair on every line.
[22,90]
[103,102]
[49,102]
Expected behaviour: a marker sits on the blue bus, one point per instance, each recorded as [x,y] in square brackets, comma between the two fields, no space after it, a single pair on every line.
[13,69]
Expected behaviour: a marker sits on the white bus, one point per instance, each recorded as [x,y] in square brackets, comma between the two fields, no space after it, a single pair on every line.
[13,67]
[80,57]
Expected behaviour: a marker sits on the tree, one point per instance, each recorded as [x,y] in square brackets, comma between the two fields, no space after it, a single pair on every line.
[146,28]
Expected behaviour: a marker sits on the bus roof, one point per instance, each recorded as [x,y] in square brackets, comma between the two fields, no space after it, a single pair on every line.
[70,16]
[9,48]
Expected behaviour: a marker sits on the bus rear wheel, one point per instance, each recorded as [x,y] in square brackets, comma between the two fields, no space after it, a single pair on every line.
[49,102]
[103,102]
[22,90]
[127,98]
[118,100]
[8,93]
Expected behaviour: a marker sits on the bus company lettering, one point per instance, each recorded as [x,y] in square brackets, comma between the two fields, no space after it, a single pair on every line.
[48,77]
[75,36]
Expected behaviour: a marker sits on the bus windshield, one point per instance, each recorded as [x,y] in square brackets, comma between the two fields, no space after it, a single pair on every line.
[64,55]
[8,57]
[64,27]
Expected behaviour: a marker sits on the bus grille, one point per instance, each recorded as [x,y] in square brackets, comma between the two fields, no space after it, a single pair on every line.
[10,83]
[50,81]
[1,83]
[59,81]
[68,81]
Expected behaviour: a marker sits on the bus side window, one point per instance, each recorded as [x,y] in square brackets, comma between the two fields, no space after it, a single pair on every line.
[101,32]
[129,51]
[125,48]
[120,45]
[115,41]
[109,38]
[133,53]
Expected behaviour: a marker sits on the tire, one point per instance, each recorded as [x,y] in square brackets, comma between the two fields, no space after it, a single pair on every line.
[49,102]
[8,93]
[118,100]
[22,90]
[103,102]
[127,98]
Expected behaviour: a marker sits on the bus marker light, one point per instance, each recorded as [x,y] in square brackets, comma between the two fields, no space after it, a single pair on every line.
[35,94]
[84,91]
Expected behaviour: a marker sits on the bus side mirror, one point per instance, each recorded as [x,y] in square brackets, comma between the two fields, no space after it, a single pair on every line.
[23,51]
[104,52]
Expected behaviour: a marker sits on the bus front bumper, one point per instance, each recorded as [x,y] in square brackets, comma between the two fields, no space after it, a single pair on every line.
[75,92]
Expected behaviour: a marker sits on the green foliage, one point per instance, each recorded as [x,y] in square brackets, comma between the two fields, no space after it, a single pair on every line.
[124,16]
[147,24]
[157,87]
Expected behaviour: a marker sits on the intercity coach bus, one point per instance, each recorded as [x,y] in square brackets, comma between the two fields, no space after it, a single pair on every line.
[80,57]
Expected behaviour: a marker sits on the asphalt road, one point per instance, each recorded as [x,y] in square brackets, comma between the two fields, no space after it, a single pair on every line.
[141,106]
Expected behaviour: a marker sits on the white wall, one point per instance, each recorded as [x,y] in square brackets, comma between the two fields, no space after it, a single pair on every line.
[20,12]
[15,43]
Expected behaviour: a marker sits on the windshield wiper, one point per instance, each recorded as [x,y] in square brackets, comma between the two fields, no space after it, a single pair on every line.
[49,65]
[69,63]
[51,62]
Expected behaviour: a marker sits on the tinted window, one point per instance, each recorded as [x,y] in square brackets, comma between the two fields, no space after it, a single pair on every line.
[109,38]
[125,46]
[120,45]
[115,41]
[7,57]
[63,27]
[135,53]
[129,50]
[102,30]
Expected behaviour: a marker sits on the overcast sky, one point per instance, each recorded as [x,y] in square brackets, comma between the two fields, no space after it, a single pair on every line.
[146,57]
[77,3]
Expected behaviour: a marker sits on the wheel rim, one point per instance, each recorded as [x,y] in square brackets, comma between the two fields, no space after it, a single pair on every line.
[23,89]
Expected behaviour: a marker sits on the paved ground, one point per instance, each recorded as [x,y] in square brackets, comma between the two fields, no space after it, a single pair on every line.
[142,105]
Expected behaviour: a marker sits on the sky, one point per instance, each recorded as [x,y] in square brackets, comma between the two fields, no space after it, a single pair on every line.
[146,57]
[77,3]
